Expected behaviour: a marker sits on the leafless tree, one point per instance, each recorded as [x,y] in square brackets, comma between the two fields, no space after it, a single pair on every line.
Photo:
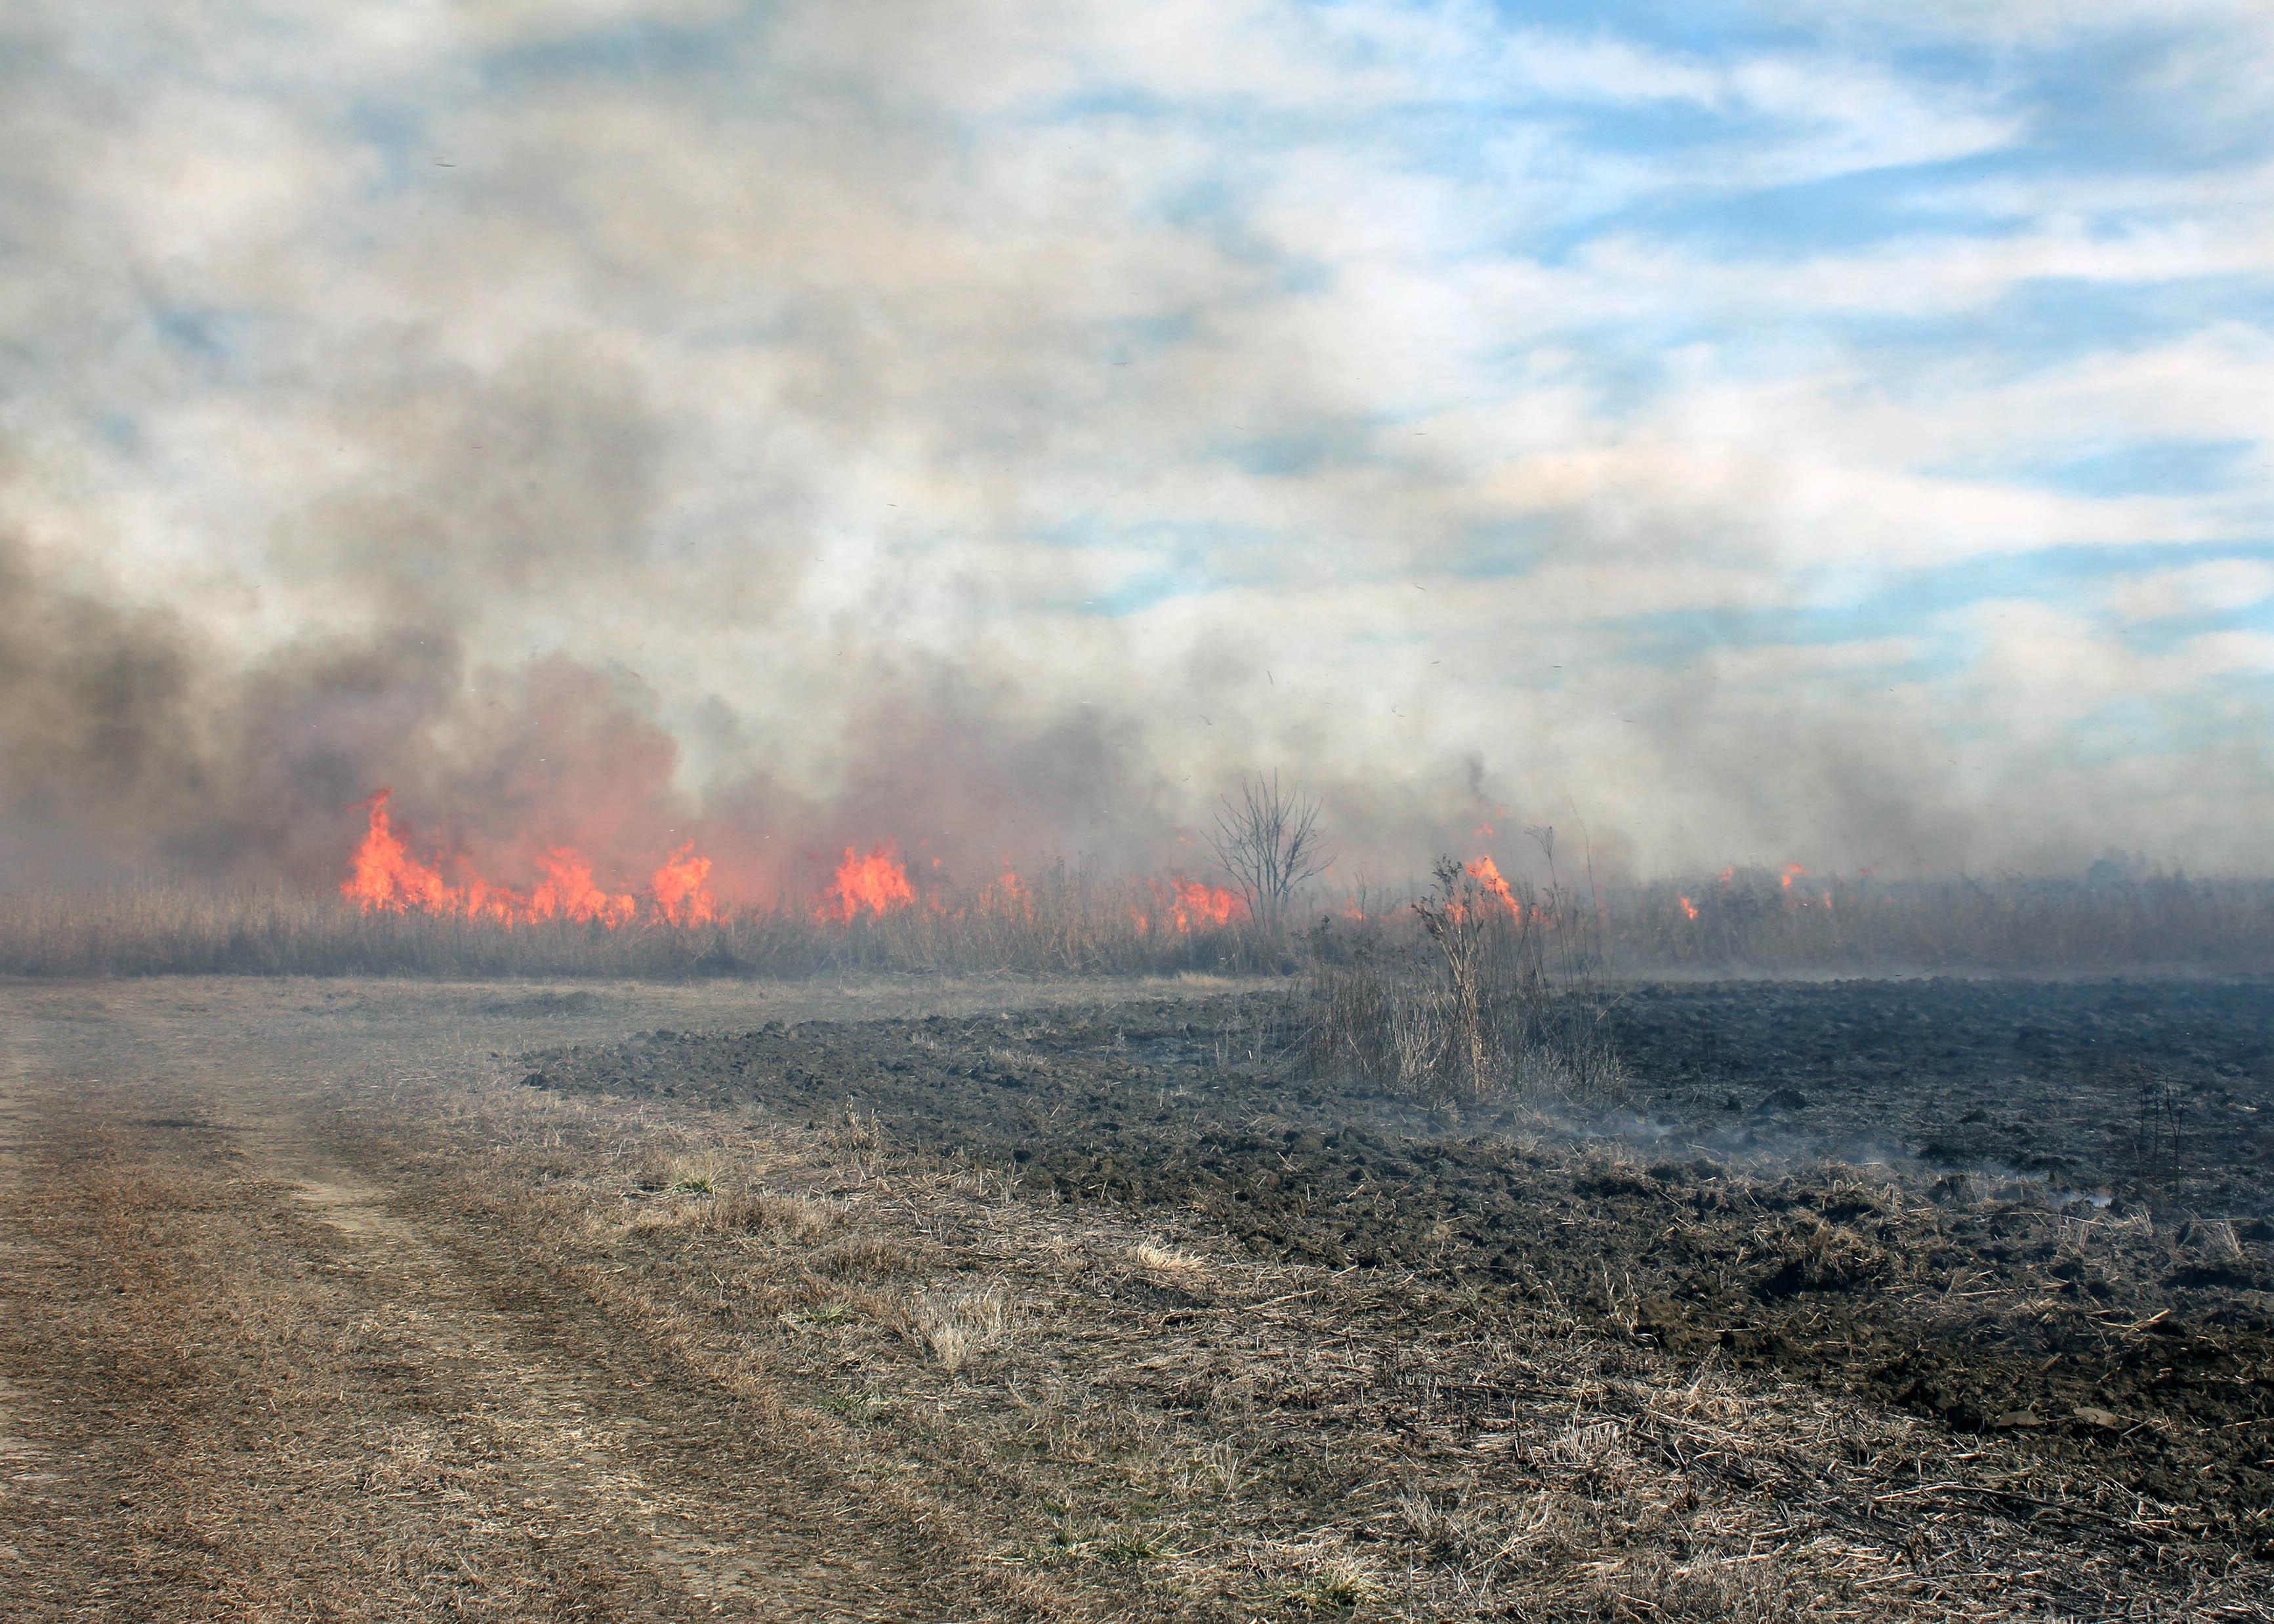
[1270,842]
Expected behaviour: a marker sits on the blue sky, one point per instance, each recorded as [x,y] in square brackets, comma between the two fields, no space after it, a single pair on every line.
[1774,431]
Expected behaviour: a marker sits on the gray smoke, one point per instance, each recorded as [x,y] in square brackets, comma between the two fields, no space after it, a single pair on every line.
[831,424]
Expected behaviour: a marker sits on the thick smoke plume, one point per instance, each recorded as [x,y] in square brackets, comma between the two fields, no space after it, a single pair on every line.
[129,743]
[996,430]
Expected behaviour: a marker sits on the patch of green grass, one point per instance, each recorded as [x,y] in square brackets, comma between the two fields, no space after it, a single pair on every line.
[695,1184]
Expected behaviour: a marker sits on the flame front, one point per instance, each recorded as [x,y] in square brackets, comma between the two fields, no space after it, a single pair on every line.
[1201,903]
[1186,905]
[384,876]
[877,882]
[683,888]
[566,891]
[387,875]
[1486,873]
[1689,908]
[1009,894]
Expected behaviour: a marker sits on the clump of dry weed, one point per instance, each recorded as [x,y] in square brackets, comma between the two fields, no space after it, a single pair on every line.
[957,1326]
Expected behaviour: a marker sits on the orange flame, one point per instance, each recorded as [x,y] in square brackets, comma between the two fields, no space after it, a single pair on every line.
[1189,905]
[1009,894]
[1793,871]
[1689,908]
[1206,904]
[1199,903]
[384,876]
[877,882]
[566,891]
[1486,873]
[682,888]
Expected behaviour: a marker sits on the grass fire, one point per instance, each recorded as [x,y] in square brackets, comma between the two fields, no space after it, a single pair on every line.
[1401,812]
[1345,1250]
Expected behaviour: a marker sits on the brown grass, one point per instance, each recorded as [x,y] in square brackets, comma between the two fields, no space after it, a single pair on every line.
[1489,994]
[1070,924]
[1075,923]
[476,1412]
[1172,1430]
[1753,920]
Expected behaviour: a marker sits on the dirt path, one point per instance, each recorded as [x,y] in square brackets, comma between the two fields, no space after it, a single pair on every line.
[245,1375]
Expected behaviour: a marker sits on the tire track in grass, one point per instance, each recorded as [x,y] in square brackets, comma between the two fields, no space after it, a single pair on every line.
[280,1400]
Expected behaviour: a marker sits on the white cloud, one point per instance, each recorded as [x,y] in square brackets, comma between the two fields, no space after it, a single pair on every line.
[2219,587]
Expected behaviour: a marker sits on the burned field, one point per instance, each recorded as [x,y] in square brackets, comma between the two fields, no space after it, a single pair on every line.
[2036,1217]
[1004,1301]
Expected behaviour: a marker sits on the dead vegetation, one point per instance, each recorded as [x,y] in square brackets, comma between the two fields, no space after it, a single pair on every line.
[1503,993]
[1770,920]
[1270,842]
[1167,1428]
[1986,1303]
[1068,920]
[1064,922]
[736,1321]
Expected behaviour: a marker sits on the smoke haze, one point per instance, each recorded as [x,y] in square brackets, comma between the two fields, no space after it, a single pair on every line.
[994,429]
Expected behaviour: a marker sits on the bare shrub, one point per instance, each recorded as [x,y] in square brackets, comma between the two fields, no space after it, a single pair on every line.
[1270,844]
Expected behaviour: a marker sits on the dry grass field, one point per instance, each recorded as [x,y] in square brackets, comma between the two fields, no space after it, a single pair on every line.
[1071,922]
[318,1309]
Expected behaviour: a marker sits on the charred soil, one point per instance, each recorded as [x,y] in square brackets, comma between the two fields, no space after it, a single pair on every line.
[2035,1211]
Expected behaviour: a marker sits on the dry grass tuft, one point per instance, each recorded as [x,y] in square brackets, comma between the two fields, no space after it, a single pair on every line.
[1339,1584]
[957,1326]
[792,1217]
[1165,1260]
[863,1257]
[1502,993]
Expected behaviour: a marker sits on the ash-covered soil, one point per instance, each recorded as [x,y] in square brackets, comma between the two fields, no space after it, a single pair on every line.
[2162,1091]
[2048,1215]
